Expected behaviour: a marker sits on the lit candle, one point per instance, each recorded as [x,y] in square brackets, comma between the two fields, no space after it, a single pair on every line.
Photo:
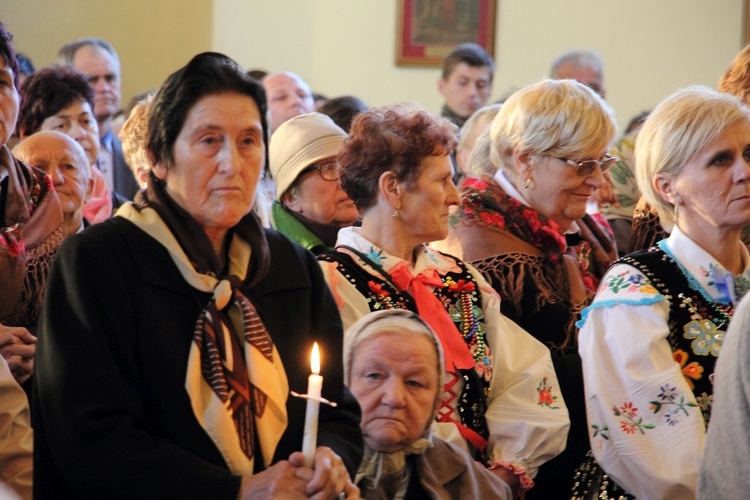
[314,386]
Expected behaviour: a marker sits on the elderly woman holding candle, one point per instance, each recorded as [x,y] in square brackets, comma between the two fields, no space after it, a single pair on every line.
[168,352]
[500,400]
[650,339]
[394,367]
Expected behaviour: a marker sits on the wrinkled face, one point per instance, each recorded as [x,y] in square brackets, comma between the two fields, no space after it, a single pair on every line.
[103,73]
[218,157]
[394,378]
[288,96]
[66,163]
[583,74]
[321,200]
[8,102]
[77,121]
[425,207]
[557,190]
[713,188]
[466,89]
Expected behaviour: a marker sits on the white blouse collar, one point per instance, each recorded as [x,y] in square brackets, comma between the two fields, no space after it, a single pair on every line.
[715,279]
[426,257]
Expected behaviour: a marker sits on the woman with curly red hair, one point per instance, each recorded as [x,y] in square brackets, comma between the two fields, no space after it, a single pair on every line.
[397,169]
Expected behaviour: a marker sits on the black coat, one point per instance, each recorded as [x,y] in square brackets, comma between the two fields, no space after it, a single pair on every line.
[112,418]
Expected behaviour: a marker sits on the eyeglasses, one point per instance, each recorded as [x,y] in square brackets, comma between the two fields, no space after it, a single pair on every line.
[329,171]
[586,167]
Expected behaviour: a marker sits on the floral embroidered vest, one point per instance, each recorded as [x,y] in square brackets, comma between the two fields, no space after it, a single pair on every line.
[697,325]
[462,299]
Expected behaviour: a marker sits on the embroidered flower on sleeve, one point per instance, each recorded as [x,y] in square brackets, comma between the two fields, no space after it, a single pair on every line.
[628,410]
[545,396]
[667,393]
[630,422]
[629,282]
[671,417]
[668,397]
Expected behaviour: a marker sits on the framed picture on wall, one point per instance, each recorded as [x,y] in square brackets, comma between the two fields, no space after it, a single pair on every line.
[429,29]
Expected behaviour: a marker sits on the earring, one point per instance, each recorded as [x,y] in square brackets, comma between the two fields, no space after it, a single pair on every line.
[526,183]
[395,214]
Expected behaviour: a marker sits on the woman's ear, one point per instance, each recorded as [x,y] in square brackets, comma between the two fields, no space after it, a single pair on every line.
[665,186]
[291,201]
[524,163]
[160,171]
[90,189]
[391,189]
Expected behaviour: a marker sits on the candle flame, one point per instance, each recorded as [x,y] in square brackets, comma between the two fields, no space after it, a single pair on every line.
[315,359]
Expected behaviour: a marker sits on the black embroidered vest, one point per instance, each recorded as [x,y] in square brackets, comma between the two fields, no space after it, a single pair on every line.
[697,325]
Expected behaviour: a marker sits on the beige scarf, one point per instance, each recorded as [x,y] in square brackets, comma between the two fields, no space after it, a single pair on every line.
[265,371]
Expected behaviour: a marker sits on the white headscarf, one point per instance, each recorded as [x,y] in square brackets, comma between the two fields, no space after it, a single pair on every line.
[386,475]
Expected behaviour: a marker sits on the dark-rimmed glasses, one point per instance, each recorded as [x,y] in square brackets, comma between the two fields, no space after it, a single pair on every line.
[586,167]
[329,170]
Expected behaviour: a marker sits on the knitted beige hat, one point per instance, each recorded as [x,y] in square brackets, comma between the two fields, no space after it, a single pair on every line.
[298,143]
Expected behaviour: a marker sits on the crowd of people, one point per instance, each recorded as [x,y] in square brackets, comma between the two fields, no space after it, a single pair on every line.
[511,300]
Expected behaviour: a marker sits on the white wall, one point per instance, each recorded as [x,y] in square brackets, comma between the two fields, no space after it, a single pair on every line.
[153,38]
[650,47]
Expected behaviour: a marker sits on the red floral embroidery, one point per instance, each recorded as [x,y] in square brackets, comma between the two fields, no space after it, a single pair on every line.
[545,397]
[378,289]
[628,427]
[474,183]
[493,219]
[629,410]
[12,242]
[461,286]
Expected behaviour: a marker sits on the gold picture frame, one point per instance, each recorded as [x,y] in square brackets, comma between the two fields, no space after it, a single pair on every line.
[429,29]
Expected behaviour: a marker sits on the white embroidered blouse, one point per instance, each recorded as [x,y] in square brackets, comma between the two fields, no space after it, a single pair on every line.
[645,424]
[526,426]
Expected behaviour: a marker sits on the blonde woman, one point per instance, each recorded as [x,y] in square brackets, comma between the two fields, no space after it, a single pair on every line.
[651,337]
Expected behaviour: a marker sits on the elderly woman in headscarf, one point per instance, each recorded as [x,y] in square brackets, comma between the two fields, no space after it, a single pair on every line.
[500,400]
[650,339]
[393,364]
[167,353]
[525,228]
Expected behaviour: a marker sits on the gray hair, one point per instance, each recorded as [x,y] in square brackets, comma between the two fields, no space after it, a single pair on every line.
[577,57]
[68,51]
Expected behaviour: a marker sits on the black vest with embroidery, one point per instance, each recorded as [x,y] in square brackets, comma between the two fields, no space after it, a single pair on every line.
[462,299]
[697,325]
[696,332]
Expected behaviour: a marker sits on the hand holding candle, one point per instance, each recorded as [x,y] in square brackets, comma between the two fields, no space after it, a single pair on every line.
[314,386]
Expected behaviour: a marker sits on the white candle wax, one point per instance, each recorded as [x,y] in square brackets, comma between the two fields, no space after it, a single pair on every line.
[314,387]
[310,438]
